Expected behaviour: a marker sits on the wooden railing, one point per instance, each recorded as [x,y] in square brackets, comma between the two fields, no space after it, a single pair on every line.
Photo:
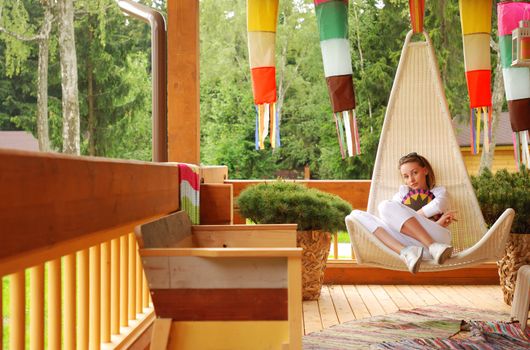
[66,226]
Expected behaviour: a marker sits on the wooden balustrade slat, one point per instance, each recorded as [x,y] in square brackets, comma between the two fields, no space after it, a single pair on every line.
[132,277]
[17,310]
[54,304]
[95,298]
[36,311]
[145,294]
[48,199]
[105,292]
[124,283]
[82,299]
[139,281]
[115,286]
[69,301]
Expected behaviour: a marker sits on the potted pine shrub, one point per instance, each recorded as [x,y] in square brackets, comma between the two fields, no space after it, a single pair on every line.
[316,213]
[495,193]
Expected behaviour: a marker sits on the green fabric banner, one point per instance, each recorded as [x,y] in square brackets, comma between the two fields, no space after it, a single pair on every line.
[332,20]
[505,44]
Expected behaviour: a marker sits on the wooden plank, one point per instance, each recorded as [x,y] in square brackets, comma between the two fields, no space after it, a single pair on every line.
[220,304]
[160,334]
[481,294]
[348,272]
[215,335]
[425,295]
[327,310]
[183,81]
[205,273]
[213,174]
[167,232]
[356,302]
[240,236]
[411,296]
[50,198]
[157,271]
[216,204]
[439,294]
[223,252]
[455,297]
[294,308]
[342,306]
[384,299]
[370,300]
[312,320]
[398,298]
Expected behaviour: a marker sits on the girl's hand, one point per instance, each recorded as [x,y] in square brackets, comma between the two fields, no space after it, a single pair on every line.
[447,218]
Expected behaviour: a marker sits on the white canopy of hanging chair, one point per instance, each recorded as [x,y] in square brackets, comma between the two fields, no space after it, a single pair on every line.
[418,120]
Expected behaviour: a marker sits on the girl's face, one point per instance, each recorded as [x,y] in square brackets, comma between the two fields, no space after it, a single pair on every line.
[414,175]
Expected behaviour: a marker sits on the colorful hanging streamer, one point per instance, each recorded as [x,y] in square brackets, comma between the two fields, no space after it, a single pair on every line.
[332,18]
[190,185]
[475,18]
[262,16]
[516,79]
[417,11]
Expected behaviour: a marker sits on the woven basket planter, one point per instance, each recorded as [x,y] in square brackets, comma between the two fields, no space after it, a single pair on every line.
[315,251]
[517,254]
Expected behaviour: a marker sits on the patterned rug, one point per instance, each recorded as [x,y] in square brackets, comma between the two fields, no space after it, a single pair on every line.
[439,321]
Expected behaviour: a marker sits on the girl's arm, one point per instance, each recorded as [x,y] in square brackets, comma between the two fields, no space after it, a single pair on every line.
[439,205]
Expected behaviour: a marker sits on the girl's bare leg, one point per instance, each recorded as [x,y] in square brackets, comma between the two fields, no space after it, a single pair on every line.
[388,240]
[413,228]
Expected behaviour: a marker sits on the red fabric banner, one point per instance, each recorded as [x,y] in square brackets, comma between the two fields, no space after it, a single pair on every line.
[264,84]
[478,87]
[417,11]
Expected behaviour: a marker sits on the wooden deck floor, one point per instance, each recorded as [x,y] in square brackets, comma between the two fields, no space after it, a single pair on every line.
[341,303]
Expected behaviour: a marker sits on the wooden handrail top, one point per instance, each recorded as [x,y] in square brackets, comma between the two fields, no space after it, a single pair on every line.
[223,252]
[241,227]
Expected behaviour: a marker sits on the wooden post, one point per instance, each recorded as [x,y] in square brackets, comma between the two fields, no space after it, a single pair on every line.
[82,299]
[115,286]
[54,304]
[94,340]
[124,281]
[69,324]
[36,311]
[17,310]
[132,277]
[183,81]
[105,292]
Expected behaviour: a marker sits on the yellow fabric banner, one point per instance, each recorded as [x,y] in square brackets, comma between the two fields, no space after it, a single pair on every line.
[475,16]
[262,15]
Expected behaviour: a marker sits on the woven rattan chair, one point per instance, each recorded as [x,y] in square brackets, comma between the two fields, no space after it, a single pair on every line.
[418,120]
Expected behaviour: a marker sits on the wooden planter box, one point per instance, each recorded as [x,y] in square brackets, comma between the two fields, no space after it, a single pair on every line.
[222,286]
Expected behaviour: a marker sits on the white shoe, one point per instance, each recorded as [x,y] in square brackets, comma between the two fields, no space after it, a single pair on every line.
[440,252]
[412,255]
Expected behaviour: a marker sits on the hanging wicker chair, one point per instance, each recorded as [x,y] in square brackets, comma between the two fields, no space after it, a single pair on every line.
[418,120]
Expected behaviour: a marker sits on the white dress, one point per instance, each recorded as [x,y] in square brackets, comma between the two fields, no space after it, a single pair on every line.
[393,214]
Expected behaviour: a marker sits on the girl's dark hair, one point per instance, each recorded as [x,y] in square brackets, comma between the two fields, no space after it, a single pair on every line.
[423,162]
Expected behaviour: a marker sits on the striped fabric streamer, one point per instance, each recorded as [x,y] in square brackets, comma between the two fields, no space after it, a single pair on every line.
[475,19]
[262,16]
[516,79]
[417,12]
[189,180]
[332,18]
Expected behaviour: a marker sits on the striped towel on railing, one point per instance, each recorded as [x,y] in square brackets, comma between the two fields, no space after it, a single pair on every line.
[189,180]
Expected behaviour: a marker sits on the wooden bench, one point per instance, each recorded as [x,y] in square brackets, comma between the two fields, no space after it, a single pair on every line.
[521,298]
[222,286]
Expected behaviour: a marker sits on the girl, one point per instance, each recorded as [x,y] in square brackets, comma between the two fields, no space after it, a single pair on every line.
[414,223]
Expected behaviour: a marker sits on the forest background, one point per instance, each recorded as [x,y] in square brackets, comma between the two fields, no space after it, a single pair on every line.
[114,88]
